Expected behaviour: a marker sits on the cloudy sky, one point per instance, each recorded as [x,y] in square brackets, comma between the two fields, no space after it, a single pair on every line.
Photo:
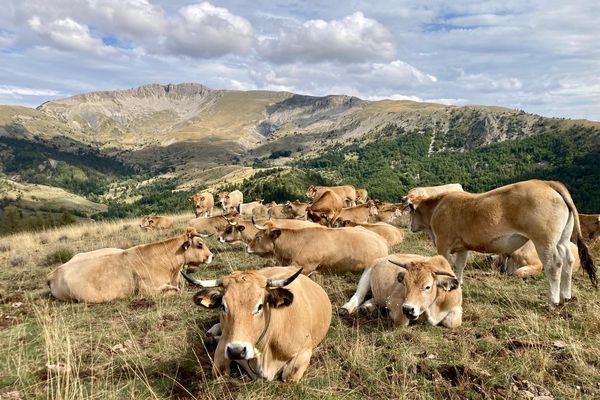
[540,56]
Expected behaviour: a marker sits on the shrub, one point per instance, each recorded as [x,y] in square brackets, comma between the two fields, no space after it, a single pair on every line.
[17,260]
[59,256]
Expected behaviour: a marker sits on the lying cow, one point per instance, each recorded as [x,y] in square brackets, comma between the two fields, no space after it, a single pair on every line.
[270,322]
[590,226]
[331,250]
[239,231]
[524,262]
[108,274]
[504,219]
[415,285]
[358,214]
[347,193]
[362,196]
[277,211]
[203,204]
[391,234]
[211,225]
[325,209]
[152,222]
[388,212]
[248,208]
[295,209]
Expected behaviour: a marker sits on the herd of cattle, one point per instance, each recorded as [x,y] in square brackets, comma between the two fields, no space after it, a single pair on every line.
[529,226]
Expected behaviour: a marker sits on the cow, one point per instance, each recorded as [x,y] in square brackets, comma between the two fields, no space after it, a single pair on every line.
[270,321]
[358,214]
[107,274]
[502,220]
[203,204]
[362,196]
[295,209]
[248,208]
[153,222]
[388,212]
[431,191]
[590,226]
[231,201]
[278,211]
[244,231]
[347,193]
[415,285]
[211,225]
[329,250]
[326,208]
[262,211]
[524,262]
[391,234]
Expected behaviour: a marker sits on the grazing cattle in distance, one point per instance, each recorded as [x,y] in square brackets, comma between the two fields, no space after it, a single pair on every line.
[358,214]
[391,234]
[295,209]
[502,220]
[107,274]
[270,321]
[278,211]
[248,208]
[590,226]
[388,212]
[524,262]
[262,211]
[418,193]
[347,193]
[326,208]
[414,286]
[362,196]
[331,250]
[239,231]
[211,225]
[152,222]
[203,204]
[231,201]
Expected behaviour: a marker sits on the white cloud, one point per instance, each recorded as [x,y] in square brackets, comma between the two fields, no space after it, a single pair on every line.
[350,39]
[484,82]
[18,92]
[134,18]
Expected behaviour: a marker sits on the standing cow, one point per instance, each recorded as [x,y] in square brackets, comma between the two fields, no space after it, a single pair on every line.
[326,208]
[203,204]
[231,201]
[347,193]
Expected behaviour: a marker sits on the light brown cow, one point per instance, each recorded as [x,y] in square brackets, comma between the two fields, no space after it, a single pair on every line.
[239,231]
[347,193]
[502,220]
[152,222]
[203,204]
[295,209]
[330,250]
[271,320]
[362,196]
[431,191]
[391,234]
[278,211]
[231,201]
[248,208]
[414,286]
[358,214]
[325,209]
[590,226]
[524,262]
[211,225]
[107,274]
[388,212]
[262,211]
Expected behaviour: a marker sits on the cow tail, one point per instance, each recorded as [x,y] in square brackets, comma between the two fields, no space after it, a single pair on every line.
[584,255]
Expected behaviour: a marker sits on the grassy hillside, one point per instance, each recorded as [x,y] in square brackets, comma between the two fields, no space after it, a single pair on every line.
[152,348]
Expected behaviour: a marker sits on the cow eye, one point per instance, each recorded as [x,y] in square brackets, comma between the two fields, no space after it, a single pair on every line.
[259,308]
[428,287]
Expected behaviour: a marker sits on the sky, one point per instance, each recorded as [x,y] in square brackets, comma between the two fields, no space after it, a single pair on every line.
[541,56]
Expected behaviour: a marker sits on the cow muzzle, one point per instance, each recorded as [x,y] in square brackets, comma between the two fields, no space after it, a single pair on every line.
[239,351]
[210,258]
[410,311]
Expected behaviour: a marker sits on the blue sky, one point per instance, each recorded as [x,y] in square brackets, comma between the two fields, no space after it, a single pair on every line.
[539,56]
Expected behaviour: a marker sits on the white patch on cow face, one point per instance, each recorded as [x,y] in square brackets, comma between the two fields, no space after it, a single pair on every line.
[210,258]
[221,239]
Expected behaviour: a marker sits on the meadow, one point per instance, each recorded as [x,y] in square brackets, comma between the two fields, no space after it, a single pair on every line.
[509,346]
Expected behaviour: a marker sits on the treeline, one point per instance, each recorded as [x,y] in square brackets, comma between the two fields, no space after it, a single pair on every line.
[15,220]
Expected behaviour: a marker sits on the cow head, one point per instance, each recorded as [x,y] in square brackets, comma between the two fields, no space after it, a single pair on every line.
[222,196]
[421,282]
[195,251]
[373,210]
[148,222]
[311,192]
[245,299]
[198,203]
[264,241]
[234,232]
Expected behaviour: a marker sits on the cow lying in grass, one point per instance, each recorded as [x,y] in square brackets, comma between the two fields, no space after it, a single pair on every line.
[152,222]
[414,286]
[271,320]
[108,274]
[524,262]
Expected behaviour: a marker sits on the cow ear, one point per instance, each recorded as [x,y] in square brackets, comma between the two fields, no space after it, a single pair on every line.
[209,297]
[411,207]
[400,277]
[276,233]
[280,297]
[446,281]
[241,228]
[185,245]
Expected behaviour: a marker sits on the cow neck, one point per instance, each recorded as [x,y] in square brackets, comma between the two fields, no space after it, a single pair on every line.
[159,252]
[285,252]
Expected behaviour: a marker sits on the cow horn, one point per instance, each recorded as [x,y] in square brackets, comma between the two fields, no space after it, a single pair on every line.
[202,235]
[203,283]
[274,283]
[403,265]
[259,227]
[234,223]
[444,273]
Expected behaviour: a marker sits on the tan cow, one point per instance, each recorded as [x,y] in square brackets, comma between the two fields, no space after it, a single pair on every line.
[325,209]
[524,262]
[248,208]
[203,204]
[152,222]
[391,234]
[231,201]
[431,191]
[239,231]
[331,250]
[414,286]
[295,209]
[362,196]
[262,211]
[590,226]
[358,214]
[347,193]
[278,211]
[211,225]
[270,321]
[502,220]
[108,274]
[388,212]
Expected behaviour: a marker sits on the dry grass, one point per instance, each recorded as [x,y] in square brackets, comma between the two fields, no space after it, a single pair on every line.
[152,347]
